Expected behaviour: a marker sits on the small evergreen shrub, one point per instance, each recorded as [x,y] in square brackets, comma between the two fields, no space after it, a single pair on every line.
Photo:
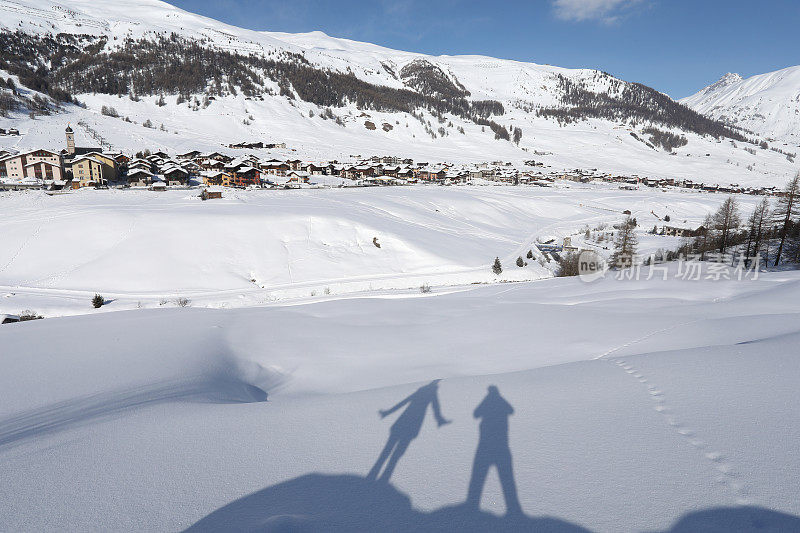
[497,268]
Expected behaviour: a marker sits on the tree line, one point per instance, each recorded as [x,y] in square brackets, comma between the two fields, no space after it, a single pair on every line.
[158,65]
[771,233]
[631,102]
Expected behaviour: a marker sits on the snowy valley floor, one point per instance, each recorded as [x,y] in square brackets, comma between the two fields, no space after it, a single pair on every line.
[638,406]
[144,249]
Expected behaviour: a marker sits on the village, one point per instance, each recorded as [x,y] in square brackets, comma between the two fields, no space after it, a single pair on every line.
[78,167]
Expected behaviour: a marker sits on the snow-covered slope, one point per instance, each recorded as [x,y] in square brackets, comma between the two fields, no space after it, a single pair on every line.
[638,406]
[142,249]
[523,89]
[767,104]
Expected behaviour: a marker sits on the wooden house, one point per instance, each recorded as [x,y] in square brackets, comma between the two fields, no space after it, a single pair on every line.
[245,176]
[275,167]
[139,177]
[175,175]
[297,176]
[315,169]
[215,177]
[432,174]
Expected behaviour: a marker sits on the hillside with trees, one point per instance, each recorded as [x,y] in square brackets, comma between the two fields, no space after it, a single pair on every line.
[63,65]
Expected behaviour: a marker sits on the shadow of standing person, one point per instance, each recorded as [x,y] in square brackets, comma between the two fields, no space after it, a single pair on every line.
[493,449]
[407,427]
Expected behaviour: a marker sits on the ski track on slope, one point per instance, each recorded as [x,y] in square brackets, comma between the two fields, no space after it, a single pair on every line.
[526,244]
[50,280]
[32,236]
[728,475]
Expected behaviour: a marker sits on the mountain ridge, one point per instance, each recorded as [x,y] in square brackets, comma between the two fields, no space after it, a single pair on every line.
[323,96]
[767,104]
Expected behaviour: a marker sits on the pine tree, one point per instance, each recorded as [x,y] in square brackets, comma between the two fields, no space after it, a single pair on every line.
[497,268]
[785,211]
[520,262]
[624,245]
[98,301]
[530,254]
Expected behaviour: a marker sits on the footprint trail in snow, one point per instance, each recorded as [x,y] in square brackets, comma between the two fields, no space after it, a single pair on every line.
[726,472]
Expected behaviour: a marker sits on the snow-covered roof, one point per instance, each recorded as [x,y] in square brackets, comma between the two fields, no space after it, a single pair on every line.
[85,158]
[32,163]
[9,317]
[136,171]
[212,173]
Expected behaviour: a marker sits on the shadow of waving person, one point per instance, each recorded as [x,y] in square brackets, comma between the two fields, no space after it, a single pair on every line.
[407,426]
[346,503]
[493,450]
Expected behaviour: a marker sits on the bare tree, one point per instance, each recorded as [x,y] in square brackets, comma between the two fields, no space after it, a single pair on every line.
[625,245]
[785,211]
[758,226]
[726,221]
[704,241]
[568,266]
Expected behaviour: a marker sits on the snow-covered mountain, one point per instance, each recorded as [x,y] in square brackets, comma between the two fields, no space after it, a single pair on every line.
[179,81]
[766,104]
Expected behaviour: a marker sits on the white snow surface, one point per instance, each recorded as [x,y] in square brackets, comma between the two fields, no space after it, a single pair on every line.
[521,87]
[638,406]
[142,248]
[767,104]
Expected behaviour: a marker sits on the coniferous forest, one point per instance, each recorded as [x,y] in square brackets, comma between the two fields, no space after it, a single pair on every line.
[64,65]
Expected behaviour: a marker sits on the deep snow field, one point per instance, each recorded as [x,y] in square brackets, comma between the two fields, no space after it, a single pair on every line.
[142,249]
[638,405]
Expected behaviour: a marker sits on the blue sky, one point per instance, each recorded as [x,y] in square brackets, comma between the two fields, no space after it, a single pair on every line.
[675,46]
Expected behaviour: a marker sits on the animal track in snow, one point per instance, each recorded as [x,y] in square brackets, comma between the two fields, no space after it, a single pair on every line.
[727,473]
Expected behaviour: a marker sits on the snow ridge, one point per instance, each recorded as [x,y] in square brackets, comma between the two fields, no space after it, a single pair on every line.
[766,104]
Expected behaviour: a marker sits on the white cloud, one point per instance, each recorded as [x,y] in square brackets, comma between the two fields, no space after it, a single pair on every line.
[607,11]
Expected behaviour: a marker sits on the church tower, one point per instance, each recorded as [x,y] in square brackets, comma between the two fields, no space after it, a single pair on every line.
[70,141]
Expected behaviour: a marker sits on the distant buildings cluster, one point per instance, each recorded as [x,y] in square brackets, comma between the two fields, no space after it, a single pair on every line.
[77,167]
[635,181]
